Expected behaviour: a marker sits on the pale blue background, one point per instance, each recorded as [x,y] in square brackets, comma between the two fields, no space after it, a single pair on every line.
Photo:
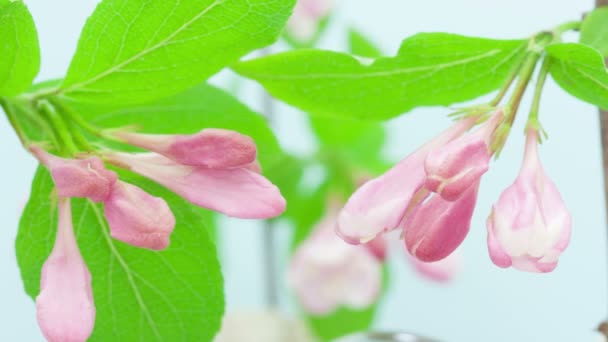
[485,303]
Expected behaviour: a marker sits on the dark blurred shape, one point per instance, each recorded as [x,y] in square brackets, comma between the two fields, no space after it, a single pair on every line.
[385,337]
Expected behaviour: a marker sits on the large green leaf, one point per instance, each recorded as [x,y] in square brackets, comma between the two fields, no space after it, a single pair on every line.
[580,70]
[190,111]
[134,51]
[19,50]
[430,69]
[140,295]
[594,30]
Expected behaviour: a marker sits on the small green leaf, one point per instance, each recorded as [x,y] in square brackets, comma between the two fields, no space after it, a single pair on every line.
[203,106]
[140,295]
[594,30]
[136,51]
[430,69]
[362,46]
[342,322]
[580,70]
[19,50]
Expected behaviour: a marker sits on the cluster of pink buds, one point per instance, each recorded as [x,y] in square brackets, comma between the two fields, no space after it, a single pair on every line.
[307,14]
[215,169]
[327,273]
[431,195]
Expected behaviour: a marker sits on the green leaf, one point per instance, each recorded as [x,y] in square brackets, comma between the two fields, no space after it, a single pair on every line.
[342,322]
[140,295]
[136,51]
[430,69]
[19,50]
[594,30]
[361,46]
[580,70]
[200,107]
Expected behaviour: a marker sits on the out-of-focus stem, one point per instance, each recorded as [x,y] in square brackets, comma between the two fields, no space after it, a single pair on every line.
[268,236]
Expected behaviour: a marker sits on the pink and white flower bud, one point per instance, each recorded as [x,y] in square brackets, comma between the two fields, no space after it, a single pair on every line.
[66,311]
[529,226]
[327,273]
[213,148]
[381,204]
[307,14]
[138,218]
[437,227]
[442,271]
[78,177]
[454,167]
[237,192]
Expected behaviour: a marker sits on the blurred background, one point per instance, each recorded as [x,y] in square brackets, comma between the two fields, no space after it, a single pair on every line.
[483,303]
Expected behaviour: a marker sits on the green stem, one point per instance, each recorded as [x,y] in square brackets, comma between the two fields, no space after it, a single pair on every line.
[12,119]
[76,118]
[60,127]
[506,86]
[538,90]
[574,25]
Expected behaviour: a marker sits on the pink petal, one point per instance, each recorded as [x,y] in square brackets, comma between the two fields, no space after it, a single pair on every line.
[66,311]
[87,178]
[211,147]
[236,192]
[437,227]
[138,218]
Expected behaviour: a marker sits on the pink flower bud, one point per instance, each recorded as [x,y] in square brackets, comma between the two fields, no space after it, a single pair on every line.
[211,147]
[437,227]
[78,177]
[237,192]
[66,311]
[327,273]
[529,226]
[381,204]
[454,167]
[442,271]
[138,218]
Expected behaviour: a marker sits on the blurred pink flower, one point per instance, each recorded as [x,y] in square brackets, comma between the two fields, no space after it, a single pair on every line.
[304,22]
[327,273]
[442,271]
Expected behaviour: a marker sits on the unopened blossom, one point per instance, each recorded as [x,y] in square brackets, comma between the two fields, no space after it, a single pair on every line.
[454,167]
[378,247]
[138,218]
[327,273]
[381,204]
[66,311]
[437,227]
[442,271]
[237,192]
[529,226]
[307,14]
[211,147]
[78,177]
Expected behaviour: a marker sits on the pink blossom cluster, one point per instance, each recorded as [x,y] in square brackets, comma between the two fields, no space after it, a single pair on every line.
[431,195]
[215,169]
